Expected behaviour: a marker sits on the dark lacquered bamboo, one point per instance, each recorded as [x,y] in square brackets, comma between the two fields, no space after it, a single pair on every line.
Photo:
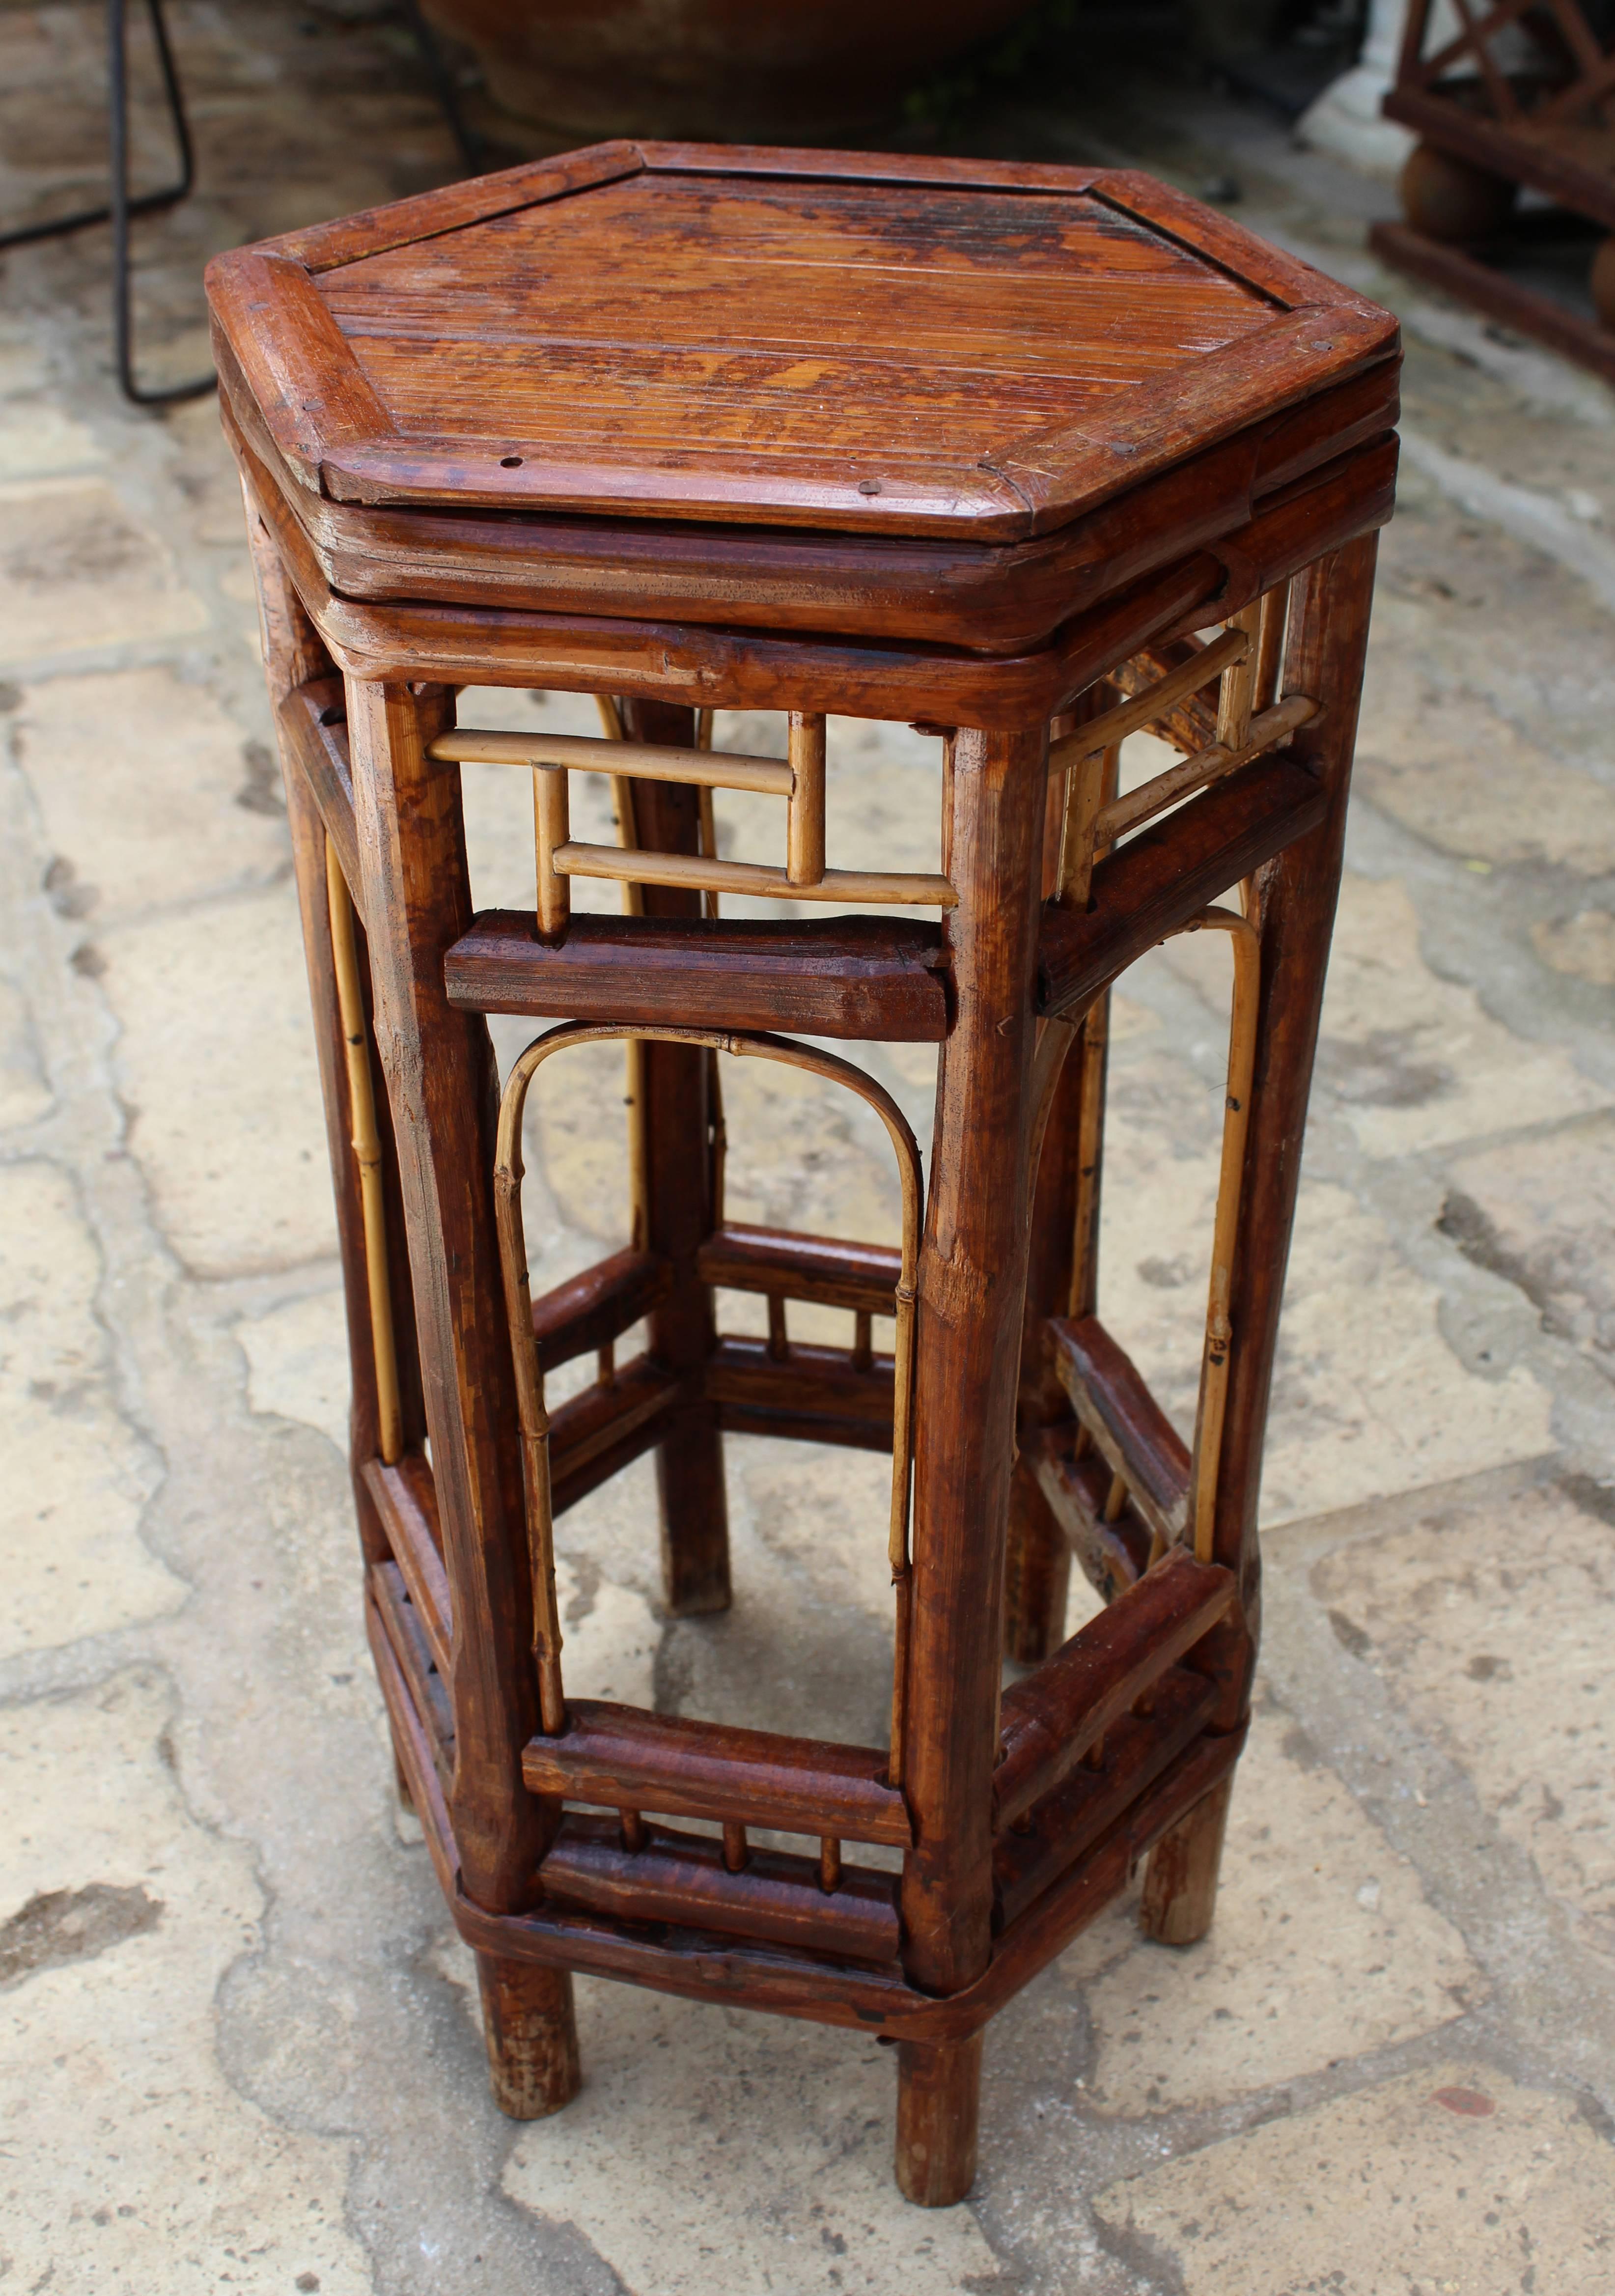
[405,544]
[972,1276]
[675,1123]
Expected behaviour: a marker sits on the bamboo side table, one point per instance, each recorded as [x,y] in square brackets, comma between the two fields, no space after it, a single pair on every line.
[1032,457]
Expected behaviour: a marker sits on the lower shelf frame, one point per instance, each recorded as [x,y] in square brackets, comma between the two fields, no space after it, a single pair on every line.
[863,1997]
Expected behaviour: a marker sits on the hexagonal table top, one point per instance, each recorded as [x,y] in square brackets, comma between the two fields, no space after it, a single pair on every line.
[851,342]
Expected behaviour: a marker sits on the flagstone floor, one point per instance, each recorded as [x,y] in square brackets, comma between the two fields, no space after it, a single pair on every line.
[242,2052]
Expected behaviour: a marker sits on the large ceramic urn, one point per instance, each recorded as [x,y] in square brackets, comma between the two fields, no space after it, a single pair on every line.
[741,70]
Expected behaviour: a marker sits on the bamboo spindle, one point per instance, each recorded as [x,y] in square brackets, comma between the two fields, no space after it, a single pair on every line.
[367,1155]
[805,815]
[1193,773]
[1093,1050]
[1270,645]
[1238,686]
[550,831]
[899,888]
[634,1051]
[1246,943]
[801,782]
[1087,791]
[646,761]
[530,1411]
[707,820]
[1145,710]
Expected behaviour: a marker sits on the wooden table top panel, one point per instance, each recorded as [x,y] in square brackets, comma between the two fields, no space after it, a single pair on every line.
[795,338]
[671,315]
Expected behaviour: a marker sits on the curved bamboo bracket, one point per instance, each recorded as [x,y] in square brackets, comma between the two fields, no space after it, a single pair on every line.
[530,1377]
[367,1156]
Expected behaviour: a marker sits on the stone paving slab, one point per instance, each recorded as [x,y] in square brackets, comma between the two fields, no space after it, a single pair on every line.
[227,1964]
[1447,2181]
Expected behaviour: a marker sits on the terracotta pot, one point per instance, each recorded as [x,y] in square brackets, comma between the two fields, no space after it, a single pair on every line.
[730,71]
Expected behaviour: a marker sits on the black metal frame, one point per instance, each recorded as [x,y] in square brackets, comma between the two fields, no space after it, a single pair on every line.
[121,209]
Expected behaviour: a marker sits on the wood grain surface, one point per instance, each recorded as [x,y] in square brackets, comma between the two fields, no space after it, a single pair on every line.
[870,978]
[982,447]
[875,350]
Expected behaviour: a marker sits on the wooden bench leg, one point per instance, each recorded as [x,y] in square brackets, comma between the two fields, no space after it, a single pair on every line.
[938,2114]
[1295,896]
[531,2030]
[673,1153]
[1180,1881]
[971,1298]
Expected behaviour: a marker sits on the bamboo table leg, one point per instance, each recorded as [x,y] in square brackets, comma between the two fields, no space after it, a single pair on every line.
[444,1087]
[531,2032]
[1295,904]
[938,2113]
[972,1276]
[674,1123]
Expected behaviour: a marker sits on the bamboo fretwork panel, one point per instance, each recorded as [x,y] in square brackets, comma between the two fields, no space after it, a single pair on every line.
[798,779]
[1251,717]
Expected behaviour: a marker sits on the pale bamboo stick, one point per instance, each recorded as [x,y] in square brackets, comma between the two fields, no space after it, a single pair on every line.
[805,820]
[530,1412]
[367,1155]
[693,871]
[647,761]
[1087,790]
[707,820]
[1090,1136]
[1239,683]
[551,829]
[1246,943]
[1095,1036]
[1204,766]
[634,906]
[1146,708]
[1270,644]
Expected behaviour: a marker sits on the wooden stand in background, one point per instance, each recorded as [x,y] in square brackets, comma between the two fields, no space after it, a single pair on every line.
[1516,98]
